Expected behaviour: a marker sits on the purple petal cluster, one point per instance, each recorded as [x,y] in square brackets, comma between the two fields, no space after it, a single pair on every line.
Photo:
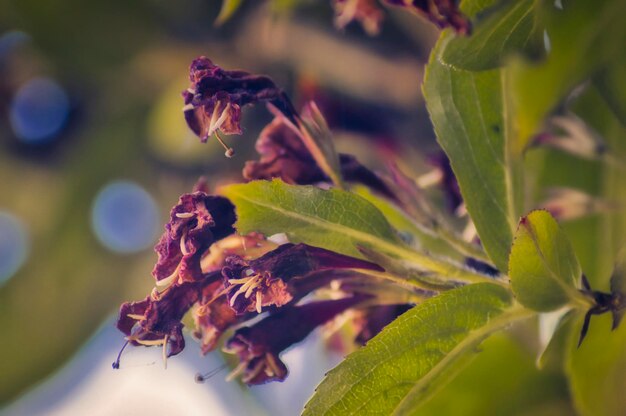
[216,96]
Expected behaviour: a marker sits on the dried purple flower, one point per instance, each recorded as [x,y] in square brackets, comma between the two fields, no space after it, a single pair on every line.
[259,346]
[213,316]
[263,282]
[156,320]
[284,155]
[443,13]
[214,100]
[195,223]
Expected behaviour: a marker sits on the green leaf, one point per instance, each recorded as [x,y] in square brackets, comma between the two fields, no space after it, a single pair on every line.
[584,38]
[618,278]
[543,267]
[335,220]
[471,8]
[596,369]
[611,83]
[468,113]
[553,356]
[421,237]
[229,7]
[405,364]
[508,29]
[502,380]
[332,219]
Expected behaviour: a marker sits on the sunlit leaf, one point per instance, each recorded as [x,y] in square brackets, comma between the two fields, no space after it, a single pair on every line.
[596,369]
[405,364]
[543,267]
[584,40]
[417,235]
[508,29]
[502,380]
[468,112]
[332,219]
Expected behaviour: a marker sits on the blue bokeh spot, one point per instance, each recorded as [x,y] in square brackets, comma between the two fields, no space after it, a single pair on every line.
[39,110]
[125,217]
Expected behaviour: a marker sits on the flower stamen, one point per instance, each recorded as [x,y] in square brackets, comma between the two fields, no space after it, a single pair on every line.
[230,152]
[165,351]
[169,279]
[183,245]
[259,301]
[254,372]
[237,371]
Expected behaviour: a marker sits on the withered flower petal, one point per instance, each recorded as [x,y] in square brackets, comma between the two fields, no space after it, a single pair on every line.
[216,96]
[259,346]
[213,316]
[156,320]
[195,223]
[262,282]
[285,156]
[443,13]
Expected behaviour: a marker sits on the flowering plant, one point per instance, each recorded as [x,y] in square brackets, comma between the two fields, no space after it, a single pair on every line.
[313,234]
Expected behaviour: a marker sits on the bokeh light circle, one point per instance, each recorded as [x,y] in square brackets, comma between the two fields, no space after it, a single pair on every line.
[39,110]
[13,245]
[125,217]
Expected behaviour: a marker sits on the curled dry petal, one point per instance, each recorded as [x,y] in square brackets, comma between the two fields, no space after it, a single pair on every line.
[260,345]
[156,320]
[195,223]
[285,156]
[213,316]
[263,282]
[216,96]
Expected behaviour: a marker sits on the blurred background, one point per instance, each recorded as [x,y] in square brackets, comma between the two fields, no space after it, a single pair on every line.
[94,152]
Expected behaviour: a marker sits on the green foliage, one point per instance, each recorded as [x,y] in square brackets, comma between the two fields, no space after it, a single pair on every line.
[508,29]
[421,237]
[332,219]
[467,111]
[543,267]
[596,369]
[335,220]
[395,372]
[584,38]
[502,380]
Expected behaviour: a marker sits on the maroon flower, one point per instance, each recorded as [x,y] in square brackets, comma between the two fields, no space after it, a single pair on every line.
[195,223]
[156,320]
[284,155]
[215,98]
[443,13]
[263,282]
[213,316]
[259,346]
